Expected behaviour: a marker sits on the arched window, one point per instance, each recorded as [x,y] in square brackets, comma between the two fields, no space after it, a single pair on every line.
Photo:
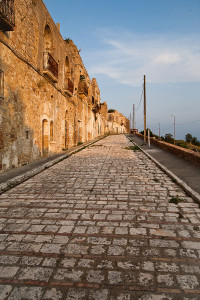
[48,39]
[67,68]
[68,79]
[50,65]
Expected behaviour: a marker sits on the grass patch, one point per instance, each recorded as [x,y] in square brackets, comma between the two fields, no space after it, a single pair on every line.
[173,180]
[176,200]
[133,148]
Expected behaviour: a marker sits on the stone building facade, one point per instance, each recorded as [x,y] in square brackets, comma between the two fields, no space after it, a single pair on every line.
[48,102]
[117,123]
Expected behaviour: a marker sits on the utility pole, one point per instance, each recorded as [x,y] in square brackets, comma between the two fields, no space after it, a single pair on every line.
[159,130]
[133,116]
[130,121]
[145,109]
[174,127]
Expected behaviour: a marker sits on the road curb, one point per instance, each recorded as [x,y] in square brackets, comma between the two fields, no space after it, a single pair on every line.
[21,178]
[195,196]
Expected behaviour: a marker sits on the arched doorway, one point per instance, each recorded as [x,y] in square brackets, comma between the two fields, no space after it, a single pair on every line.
[74,130]
[45,138]
[66,130]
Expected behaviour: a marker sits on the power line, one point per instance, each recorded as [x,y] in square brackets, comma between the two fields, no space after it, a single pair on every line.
[188,123]
[169,127]
[140,98]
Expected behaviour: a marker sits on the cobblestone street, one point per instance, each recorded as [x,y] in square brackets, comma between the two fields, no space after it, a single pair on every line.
[105,223]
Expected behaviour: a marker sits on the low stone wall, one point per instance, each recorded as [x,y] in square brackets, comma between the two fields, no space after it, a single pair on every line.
[183,153]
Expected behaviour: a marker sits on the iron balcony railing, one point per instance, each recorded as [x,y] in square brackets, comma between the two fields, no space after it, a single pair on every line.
[69,86]
[50,65]
[7,15]
[82,88]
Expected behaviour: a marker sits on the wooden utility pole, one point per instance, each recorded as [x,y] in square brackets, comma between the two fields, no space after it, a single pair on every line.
[145,109]
[130,121]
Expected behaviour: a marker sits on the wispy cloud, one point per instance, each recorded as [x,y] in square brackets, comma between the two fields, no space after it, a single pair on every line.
[125,57]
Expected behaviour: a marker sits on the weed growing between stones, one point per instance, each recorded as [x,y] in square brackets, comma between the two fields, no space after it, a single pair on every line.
[176,200]
[134,148]
[97,145]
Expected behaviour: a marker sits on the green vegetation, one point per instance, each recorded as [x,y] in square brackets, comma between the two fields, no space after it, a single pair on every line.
[67,40]
[182,144]
[191,142]
[176,200]
[133,148]
[169,138]
[192,139]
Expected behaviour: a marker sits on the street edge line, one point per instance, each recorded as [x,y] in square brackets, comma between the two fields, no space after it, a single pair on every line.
[195,196]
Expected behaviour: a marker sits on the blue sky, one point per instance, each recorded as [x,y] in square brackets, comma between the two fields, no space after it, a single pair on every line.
[121,41]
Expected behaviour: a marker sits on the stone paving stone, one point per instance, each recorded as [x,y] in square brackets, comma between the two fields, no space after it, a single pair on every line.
[99,225]
[5,291]
[23,292]
[8,272]
[33,273]
[53,294]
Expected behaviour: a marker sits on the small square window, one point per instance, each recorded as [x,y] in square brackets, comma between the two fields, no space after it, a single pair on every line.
[27,134]
[1,85]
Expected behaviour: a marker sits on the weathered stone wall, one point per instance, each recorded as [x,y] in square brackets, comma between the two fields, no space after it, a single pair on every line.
[49,102]
[117,123]
[104,117]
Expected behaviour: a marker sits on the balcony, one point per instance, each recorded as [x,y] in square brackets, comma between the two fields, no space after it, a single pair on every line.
[50,68]
[95,108]
[7,15]
[82,89]
[69,87]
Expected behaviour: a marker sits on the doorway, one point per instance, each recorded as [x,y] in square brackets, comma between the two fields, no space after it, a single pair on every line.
[45,138]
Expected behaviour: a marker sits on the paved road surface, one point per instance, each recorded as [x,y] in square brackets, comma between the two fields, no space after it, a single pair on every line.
[99,225]
[184,170]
